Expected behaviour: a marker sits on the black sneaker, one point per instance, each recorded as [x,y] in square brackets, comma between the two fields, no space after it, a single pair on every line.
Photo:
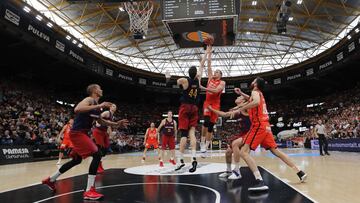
[322,155]
[194,165]
[179,167]
[327,153]
[302,176]
[259,186]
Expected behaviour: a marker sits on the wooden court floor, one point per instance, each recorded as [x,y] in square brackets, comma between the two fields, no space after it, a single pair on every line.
[334,178]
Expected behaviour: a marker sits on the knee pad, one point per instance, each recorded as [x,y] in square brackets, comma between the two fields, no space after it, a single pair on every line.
[211,127]
[184,133]
[207,121]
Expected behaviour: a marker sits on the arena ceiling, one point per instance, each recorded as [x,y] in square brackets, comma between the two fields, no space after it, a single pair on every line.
[314,26]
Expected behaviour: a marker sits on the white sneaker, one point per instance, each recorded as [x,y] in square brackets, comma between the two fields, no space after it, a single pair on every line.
[58,163]
[225,174]
[203,154]
[235,175]
[142,161]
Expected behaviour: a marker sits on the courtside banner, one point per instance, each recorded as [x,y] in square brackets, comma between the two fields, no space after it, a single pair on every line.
[15,154]
[347,145]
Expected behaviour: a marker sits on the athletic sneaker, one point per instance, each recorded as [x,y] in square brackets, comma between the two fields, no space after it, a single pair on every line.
[172,161]
[259,186]
[180,166]
[193,168]
[161,164]
[100,168]
[225,174]
[203,154]
[58,163]
[92,194]
[302,175]
[51,185]
[143,160]
[235,175]
[258,196]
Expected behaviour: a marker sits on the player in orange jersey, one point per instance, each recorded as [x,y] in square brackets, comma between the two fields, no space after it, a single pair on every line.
[214,89]
[260,134]
[151,139]
[64,136]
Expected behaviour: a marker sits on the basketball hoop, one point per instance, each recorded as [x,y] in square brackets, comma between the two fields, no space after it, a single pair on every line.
[167,76]
[139,15]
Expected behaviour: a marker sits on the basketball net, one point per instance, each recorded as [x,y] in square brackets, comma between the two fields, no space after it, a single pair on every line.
[139,15]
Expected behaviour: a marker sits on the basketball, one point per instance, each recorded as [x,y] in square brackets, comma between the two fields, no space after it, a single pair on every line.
[209,40]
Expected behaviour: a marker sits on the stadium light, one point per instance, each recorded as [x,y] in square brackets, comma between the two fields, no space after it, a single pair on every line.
[50,25]
[74,41]
[251,19]
[39,17]
[68,37]
[254,3]
[80,45]
[247,32]
[357,30]
[121,9]
[27,9]
[278,43]
[299,2]
[348,37]
[291,18]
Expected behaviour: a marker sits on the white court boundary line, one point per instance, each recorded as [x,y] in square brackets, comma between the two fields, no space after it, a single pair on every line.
[217,194]
[297,190]
[39,183]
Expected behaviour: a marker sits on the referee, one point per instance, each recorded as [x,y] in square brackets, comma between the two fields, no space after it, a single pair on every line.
[319,132]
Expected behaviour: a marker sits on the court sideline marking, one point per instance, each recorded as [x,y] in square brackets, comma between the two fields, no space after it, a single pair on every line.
[217,194]
[297,190]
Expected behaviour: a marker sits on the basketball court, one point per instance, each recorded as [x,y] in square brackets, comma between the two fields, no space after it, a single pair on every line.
[164,38]
[126,179]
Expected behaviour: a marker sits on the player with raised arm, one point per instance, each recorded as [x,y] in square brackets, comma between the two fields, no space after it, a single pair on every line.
[188,111]
[214,89]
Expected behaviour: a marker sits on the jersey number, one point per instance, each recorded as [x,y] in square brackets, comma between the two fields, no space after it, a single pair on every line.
[193,93]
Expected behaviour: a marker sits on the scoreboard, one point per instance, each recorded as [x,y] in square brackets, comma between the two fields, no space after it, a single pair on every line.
[190,9]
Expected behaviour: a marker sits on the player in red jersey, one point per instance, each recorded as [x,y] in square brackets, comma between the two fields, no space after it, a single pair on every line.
[66,143]
[87,111]
[260,134]
[151,139]
[101,134]
[168,134]
[214,89]
[236,141]
[188,111]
